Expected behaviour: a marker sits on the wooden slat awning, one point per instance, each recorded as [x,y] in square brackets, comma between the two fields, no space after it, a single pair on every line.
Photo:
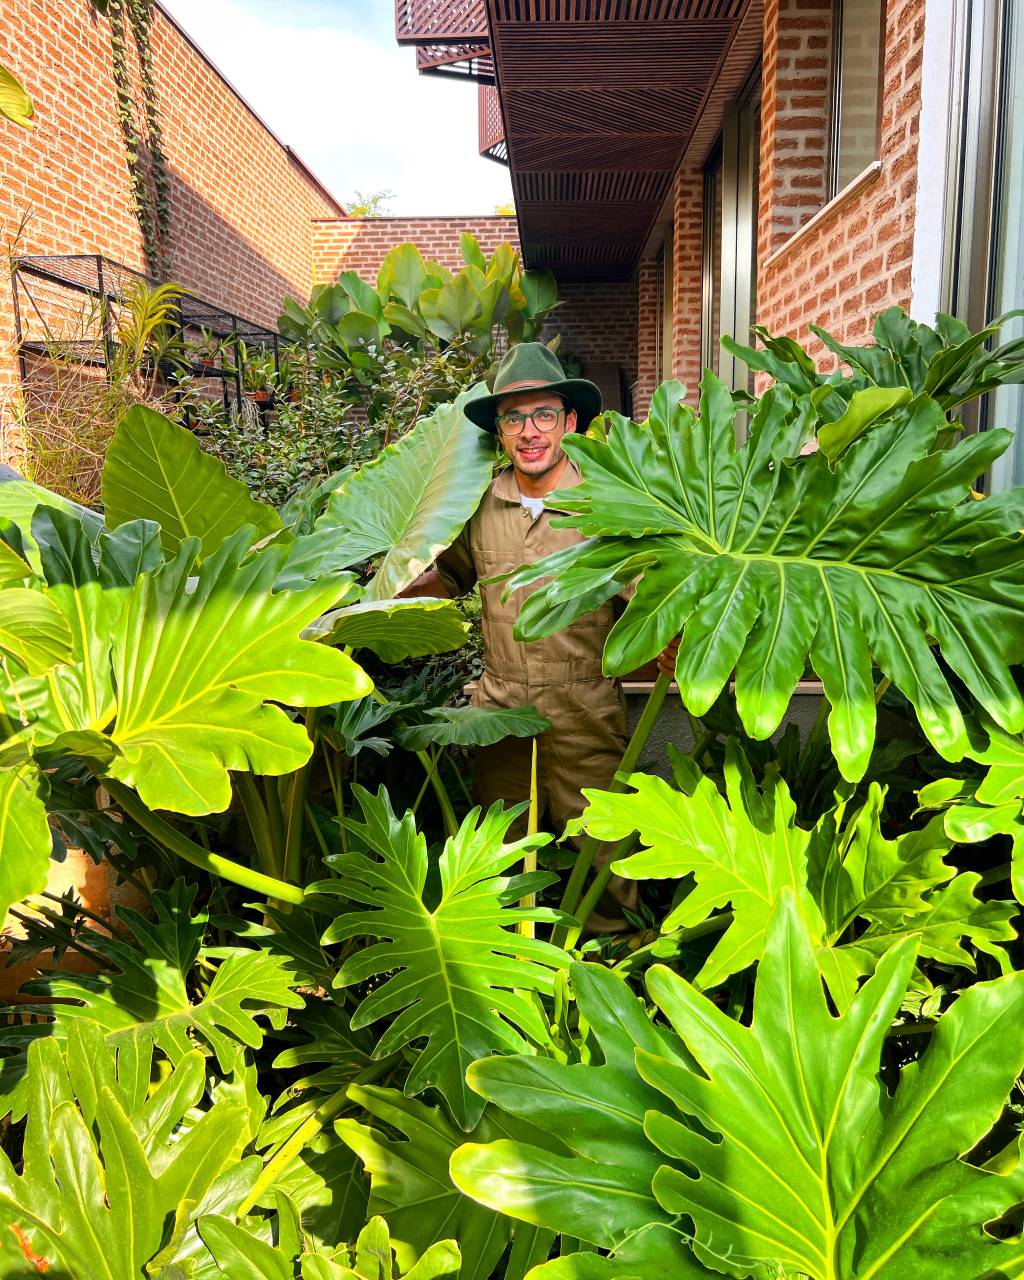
[600,98]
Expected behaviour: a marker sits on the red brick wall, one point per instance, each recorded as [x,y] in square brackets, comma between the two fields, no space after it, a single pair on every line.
[801,64]
[687,271]
[360,244]
[856,259]
[598,322]
[649,304]
[241,203]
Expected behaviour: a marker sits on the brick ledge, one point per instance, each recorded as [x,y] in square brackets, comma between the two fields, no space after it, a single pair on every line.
[851,189]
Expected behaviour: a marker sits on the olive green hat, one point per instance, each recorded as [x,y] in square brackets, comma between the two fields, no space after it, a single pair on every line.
[531,366]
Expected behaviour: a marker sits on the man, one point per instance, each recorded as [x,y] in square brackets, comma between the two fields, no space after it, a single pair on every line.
[532,408]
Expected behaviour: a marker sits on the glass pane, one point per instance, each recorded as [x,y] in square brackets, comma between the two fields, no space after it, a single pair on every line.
[1006,406]
[859,55]
[715,231]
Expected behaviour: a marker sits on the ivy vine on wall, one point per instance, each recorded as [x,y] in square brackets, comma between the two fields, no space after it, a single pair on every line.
[143,139]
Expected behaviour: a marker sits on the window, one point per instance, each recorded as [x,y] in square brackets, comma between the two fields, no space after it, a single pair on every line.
[857,57]
[984,275]
[730,237]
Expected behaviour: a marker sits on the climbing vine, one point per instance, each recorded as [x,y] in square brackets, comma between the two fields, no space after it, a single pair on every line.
[144,152]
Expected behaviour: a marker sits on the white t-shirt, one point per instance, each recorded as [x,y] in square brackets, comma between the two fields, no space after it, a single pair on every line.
[534,505]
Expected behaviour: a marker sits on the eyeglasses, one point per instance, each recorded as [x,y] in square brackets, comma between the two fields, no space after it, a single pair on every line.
[544,419]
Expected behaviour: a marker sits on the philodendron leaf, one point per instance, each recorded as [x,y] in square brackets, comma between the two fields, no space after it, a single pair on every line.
[598,1186]
[763,560]
[155,470]
[799,1159]
[20,500]
[140,999]
[655,1250]
[395,629]
[25,840]
[458,975]
[745,849]
[406,505]
[472,727]
[410,1185]
[103,1176]
[225,645]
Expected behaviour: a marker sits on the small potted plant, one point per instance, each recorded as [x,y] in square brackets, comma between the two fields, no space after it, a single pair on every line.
[258,375]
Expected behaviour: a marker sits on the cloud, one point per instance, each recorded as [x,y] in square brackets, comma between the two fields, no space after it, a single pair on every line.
[332,83]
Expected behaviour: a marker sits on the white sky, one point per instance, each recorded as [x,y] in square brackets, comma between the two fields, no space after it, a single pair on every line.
[328,77]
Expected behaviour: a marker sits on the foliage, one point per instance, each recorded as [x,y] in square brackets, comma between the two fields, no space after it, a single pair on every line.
[144,153]
[369,204]
[81,387]
[764,560]
[418,303]
[15,102]
[456,973]
[802,1060]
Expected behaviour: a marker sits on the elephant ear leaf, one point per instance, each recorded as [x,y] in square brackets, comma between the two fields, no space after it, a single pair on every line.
[764,561]
[405,506]
[457,975]
[472,727]
[25,840]
[842,1177]
[155,470]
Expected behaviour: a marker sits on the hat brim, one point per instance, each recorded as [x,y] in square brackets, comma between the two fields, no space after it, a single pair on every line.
[581,395]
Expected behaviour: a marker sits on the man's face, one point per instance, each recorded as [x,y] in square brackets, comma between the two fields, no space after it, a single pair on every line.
[534,452]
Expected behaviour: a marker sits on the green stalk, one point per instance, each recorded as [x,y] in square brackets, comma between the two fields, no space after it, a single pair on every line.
[597,887]
[306,1131]
[256,816]
[451,823]
[627,766]
[275,820]
[713,924]
[526,927]
[296,808]
[212,863]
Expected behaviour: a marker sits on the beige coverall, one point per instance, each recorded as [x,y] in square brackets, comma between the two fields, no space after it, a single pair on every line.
[560,676]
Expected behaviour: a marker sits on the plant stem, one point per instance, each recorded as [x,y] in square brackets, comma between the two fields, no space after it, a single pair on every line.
[315,828]
[996,875]
[275,821]
[212,863]
[306,1131]
[526,927]
[627,765]
[256,816]
[713,924]
[296,809]
[429,762]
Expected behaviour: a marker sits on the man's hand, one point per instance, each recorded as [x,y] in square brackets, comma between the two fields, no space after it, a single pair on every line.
[427,584]
[667,658]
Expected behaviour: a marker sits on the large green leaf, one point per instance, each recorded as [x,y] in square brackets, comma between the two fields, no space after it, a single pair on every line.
[459,976]
[406,505]
[25,840]
[655,1250]
[402,274]
[19,502]
[140,999]
[224,644]
[410,1184]
[155,470]
[797,1156]
[764,560]
[746,848]
[472,727]
[34,633]
[104,1175]
[395,629]
[598,1187]
[15,102]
